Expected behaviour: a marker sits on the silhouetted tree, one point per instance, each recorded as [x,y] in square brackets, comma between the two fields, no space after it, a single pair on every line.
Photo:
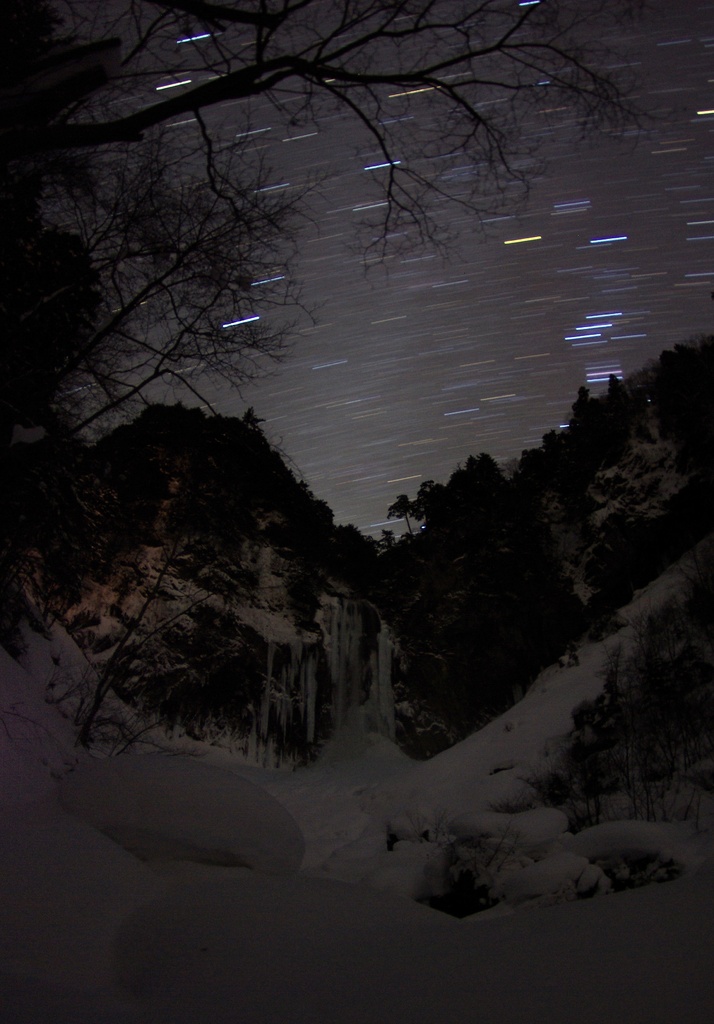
[684,392]
[180,232]
[49,296]
[402,508]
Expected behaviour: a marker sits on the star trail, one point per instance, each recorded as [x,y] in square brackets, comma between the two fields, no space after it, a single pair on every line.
[419,361]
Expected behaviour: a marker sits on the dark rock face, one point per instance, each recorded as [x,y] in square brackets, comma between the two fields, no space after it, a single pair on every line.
[216,609]
[239,673]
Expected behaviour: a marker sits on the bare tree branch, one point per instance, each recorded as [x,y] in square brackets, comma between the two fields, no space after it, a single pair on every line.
[193,269]
[404,44]
[191,242]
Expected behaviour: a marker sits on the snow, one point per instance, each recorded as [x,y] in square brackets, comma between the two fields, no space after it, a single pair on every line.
[174,809]
[632,839]
[35,743]
[533,828]
[553,876]
[174,887]
[64,890]
[416,870]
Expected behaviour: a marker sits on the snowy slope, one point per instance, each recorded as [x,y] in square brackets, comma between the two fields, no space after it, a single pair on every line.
[171,888]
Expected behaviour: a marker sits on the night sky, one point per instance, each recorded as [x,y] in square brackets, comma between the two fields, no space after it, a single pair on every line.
[416,365]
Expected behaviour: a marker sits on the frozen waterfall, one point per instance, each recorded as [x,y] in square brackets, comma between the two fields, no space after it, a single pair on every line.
[335,685]
[360,659]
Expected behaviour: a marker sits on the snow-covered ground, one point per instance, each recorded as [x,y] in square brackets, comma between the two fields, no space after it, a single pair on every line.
[173,886]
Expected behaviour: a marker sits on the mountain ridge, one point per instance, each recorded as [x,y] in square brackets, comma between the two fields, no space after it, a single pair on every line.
[209,589]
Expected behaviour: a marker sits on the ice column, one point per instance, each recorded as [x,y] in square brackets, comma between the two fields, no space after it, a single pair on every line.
[360,656]
[347,672]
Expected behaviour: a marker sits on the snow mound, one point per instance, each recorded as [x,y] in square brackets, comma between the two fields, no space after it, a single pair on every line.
[557,875]
[35,743]
[64,888]
[350,863]
[415,870]
[176,809]
[628,839]
[528,828]
[263,949]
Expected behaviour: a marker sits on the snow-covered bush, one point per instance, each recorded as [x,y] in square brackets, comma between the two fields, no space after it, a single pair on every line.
[467,858]
[643,747]
[467,863]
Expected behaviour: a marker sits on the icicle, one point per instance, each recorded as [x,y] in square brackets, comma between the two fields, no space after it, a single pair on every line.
[308,690]
[351,669]
[265,702]
[360,666]
[385,691]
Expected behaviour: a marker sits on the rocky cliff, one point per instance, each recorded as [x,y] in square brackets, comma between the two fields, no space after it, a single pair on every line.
[213,599]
